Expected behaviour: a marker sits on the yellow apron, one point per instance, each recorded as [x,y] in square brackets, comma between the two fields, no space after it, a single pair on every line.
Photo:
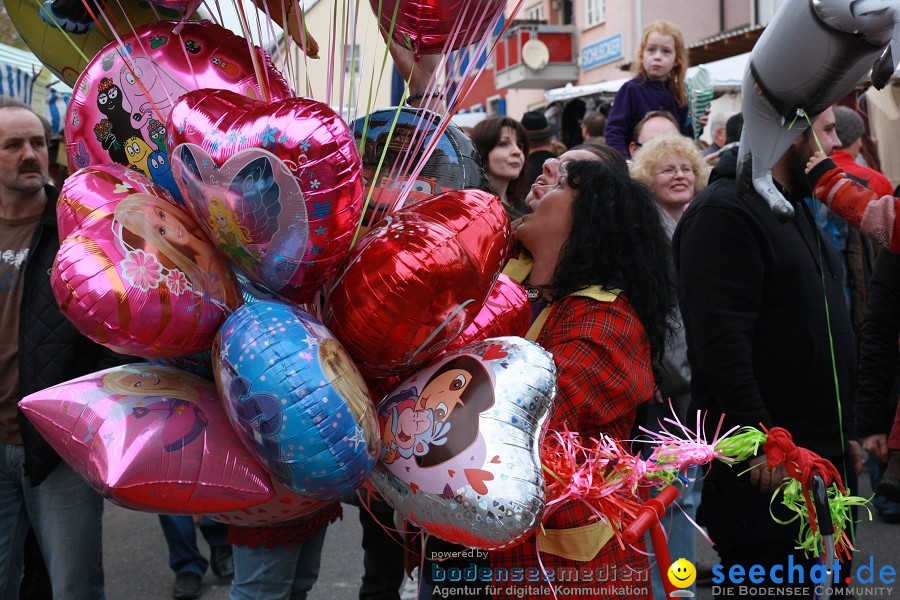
[577,543]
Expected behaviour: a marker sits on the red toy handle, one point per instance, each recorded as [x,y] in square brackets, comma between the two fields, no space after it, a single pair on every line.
[649,514]
[648,518]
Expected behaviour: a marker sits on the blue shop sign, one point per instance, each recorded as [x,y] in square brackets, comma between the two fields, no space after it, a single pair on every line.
[602,52]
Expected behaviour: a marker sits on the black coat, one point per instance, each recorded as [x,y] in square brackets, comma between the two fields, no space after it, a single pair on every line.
[754,310]
[51,350]
[876,398]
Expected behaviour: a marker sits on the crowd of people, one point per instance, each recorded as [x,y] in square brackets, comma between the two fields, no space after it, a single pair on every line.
[654,286]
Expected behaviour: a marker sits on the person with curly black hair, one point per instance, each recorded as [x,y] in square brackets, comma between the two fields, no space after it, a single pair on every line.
[597,267]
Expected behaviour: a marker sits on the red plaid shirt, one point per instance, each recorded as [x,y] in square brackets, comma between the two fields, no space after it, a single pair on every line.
[604,372]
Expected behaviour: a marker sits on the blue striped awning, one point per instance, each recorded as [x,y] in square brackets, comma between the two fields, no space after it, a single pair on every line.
[19,71]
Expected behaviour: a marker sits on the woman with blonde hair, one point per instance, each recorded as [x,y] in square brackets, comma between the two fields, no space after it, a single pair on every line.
[178,243]
[674,168]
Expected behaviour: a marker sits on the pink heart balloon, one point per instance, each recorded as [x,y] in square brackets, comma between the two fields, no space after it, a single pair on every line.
[150,438]
[276,185]
[134,272]
[122,100]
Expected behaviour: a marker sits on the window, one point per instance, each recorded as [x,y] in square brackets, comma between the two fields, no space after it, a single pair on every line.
[535,13]
[594,12]
[352,60]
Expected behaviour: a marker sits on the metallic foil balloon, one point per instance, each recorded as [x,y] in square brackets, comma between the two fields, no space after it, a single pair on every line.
[437,26]
[150,438]
[286,506]
[134,272]
[276,185]
[121,103]
[296,399]
[453,165]
[505,312]
[71,35]
[188,6]
[461,440]
[845,39]
[415,282]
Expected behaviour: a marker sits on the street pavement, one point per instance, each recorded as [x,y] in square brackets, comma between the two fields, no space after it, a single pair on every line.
[137,564]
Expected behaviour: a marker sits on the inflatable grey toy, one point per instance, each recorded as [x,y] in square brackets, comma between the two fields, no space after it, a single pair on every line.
[811,54]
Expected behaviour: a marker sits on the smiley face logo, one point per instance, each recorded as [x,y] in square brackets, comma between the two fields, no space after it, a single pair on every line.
[682,573]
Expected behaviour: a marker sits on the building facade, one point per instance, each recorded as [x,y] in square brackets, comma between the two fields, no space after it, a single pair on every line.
[605,37]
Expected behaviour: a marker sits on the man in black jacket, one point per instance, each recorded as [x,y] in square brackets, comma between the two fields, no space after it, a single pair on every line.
[39,348]
[756,298]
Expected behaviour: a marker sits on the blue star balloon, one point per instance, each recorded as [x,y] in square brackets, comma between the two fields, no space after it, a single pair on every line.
[296,399]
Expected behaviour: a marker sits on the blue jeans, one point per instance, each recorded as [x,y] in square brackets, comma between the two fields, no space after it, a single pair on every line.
[280,573]
[67,516]
[181,537]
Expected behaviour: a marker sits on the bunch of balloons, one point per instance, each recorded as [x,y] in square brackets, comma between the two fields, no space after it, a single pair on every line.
[212,228]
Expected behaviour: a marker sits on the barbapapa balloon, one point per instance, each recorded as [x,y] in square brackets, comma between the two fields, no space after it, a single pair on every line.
[276,185]
[461,439]
[121,102]
[150,438]
[296,399]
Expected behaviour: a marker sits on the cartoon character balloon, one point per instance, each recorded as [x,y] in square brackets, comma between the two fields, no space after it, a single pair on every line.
[296,399]
[276,185]
[150,438]
[453,165]
[134,272]
[62,33]
[437,26]
[460,443]
[121,103]
[414,283]
[850,39]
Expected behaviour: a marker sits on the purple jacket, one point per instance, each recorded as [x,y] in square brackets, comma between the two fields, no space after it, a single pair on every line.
[635,99]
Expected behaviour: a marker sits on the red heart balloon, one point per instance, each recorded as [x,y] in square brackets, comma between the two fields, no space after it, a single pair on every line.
[505,312]
[276,185]
[418,279]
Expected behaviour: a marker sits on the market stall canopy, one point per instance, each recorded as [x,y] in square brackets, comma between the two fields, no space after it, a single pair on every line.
[726,75]
[24,77]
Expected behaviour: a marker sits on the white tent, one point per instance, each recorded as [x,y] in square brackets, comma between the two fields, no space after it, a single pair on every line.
[24,77]
[726,74]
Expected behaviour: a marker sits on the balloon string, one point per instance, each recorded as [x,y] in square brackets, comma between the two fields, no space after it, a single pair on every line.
[254,56]
[834,371]
[362,141]
[460,92]
[90,11]
[332,45]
